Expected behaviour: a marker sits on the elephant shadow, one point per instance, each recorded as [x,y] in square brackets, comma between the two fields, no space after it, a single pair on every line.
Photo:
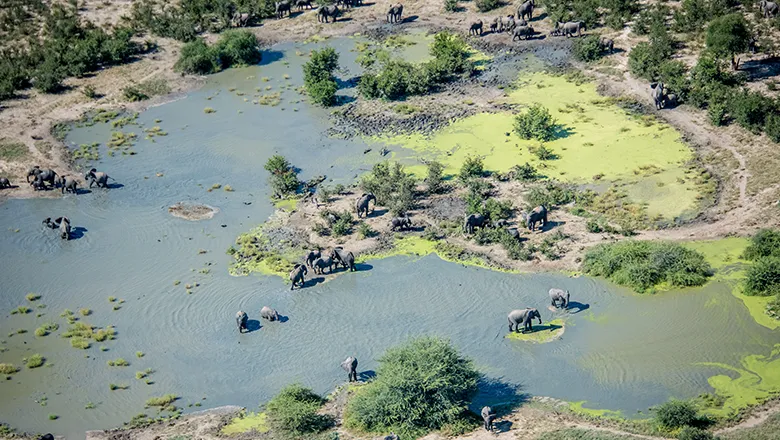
[366,376]
[80,191]
[311,282]
[551,225]
[294,14]
[253,325]
[283,318]
[77,232]
[367,4]
[343,19]
[114,186]
[543,328]
[410,19]
[360,267]
[539,17]
[576,307]
[376,213]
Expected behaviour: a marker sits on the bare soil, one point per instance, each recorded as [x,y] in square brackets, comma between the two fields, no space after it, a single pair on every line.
[192,212]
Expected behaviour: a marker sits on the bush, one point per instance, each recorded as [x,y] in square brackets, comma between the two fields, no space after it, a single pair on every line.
[435,177]
[294,412]
[343,224]
[642,62]
[543,153]
[451,5]
[674,75]
[691,433]
[134,94]
[763,277]
[197,58]
[750,109]
[426,374]
[472,167]
[587,49]
[162,401]
[237,48]
[765,243]
[728,36]
[618,11]
[772,127]
[487,5]
[643,265]
[283,179]
[318,77]
[676,414]
[7,369]
[716,113]
[553,193]
[365,231]
[536,123]
[525,173]
[392,186]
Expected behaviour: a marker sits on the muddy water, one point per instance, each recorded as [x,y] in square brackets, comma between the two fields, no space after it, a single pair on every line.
[621,351]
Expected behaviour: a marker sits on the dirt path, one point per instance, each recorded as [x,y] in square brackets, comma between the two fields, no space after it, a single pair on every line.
[757,417]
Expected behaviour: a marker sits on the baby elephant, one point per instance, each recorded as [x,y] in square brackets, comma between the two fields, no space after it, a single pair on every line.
[488,415]
[321,263]
[350,366]
[400,223]
[241,320]
[269,314]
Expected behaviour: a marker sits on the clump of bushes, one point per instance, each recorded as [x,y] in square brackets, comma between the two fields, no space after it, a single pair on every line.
[35,361]
[763,276]
[162,401]
[294,412]
[587,48]
[524,173]
[451,5]
[472,167]
[234,48]
[427,374]
[283,179]
[487,5]
[435,177]
[7,369]
[392,186]
[536,123]
[318,78]
[642,265]
[552,193]
[675,414]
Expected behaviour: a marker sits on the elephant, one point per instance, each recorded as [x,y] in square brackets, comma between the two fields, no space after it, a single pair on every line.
[514,233]
[311,256]
[657,92]
[500,223]
[282,7]
[473,221]
[240,20]
[497,25]
[522,31]
[46,437]
[510,23]
[524,316]
[559,295]
[607,44]
[47,175]
[303,4]
[99,177]
[269,314]
[539,214]
[769,8]
[476,28]
[296,275]
[49,224]
[361,206]
[324,12]
[350,366]
[526,8]
[394,13]
[347,259]
[346,3]
[241,320]
[4,182]
[38,185]
[571,27]
[320,264]
[400,223]
[488,415]
[392,436]
[68,183]
[64,225]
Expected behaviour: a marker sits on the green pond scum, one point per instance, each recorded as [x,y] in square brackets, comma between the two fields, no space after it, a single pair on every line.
[547,332]
[246,423]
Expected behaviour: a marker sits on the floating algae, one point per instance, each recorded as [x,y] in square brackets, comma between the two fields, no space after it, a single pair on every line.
[541,334]
[246,423]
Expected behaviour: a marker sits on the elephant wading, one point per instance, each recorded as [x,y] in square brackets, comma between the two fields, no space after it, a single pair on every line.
[538,215]
[400,223]
[476,28]
[488,415]
[473,221]
[522,31]
[241,320]
[361,205]
[99,177]
[269,314]
[559,295]
[570,28]
[350,366]
[524,317]
[395,13]
[69,184]
[526,8]
[311,257]
[4,182]
[297,275]
[347,259]
[320,264]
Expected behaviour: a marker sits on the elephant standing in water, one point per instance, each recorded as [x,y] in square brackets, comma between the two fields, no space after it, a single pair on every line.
[361,206]
[525,317]
[473,221]
[296,275]
[4,182]
[99,177]
[488,415]
[70,184]
[320,264]
[61,223]
[241,320]
[538,215]
[559,295]
[347,259]
[269,314]
[350,366]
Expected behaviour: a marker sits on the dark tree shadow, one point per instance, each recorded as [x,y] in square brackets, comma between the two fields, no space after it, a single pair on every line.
[366,376]
[409,19]
[270,56]
[348,83]
[576,307]
[294,14]
[759,69]
[503,397]
[77,232]
[253,325]
[344,99]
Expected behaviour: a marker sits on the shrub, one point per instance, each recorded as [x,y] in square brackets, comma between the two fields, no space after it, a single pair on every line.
[765,243]
[294,411]
[587,49]
[750,109]
[553,193]
[435,177]
[772,127]
[535,123]
[162,401]
[451,5]
[283,179]
[7,369]
[728,36]
[48,76]
[525,173]
[427,374]
[691,433]
[716,113]
[237,48]
[543,153]
[85,312]
[642,265]
[674,75]
[763,277]
[642,62]
[392,186]
[197,58]
[343,224]
[618,11]
[365,231]
[487,5]
[675,414]
[35,361]
[89,92]
[318,77]
[472,167]
[79,342]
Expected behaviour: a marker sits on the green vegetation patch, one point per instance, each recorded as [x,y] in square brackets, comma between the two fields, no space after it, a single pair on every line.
[294,412]
[35,361]
[646,265]
[162,401]
[764,431]
[541,334]
[12,151]
[7,369]
[257,422]
[583,434]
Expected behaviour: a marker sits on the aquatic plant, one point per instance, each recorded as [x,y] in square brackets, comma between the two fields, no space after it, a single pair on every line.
[209,110]
[35,361]
[427,374]
[294,412]
[114,387]
[643,265]
[47,328]
[53,417]
[21,331]
[90,405]
[79,342]
[228,188]
[22,310]
[140,375]
[118,363]
[85,312]
[32,297]
[111,299]
[103,348]
[216,186]
[7,369]
[162,401]
[763,277]
[139,354]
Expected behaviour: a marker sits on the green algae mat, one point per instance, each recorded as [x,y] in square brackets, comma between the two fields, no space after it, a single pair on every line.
[541,334]
[599,143]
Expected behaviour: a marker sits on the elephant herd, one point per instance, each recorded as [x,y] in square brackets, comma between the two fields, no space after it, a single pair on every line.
[537,215]
[527,315]
[324,13]
[44,179]
[318,262]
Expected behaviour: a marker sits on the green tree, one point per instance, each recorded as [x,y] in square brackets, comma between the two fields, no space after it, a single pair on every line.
[294,412]
[422,385]
[587,48]
[48,76]
[772,127]
[487,5]
[392,186]
[472,167]
[283,178]
[674,75]
[536,123]
[728,36]
[318,76]
[197,58]
[238,48]
[676,414]
[642,62]
[435,177]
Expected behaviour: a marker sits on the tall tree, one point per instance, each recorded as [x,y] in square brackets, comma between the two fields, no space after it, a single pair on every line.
[728,36]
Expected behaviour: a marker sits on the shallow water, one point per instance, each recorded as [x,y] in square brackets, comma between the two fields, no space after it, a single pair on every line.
[624,352]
